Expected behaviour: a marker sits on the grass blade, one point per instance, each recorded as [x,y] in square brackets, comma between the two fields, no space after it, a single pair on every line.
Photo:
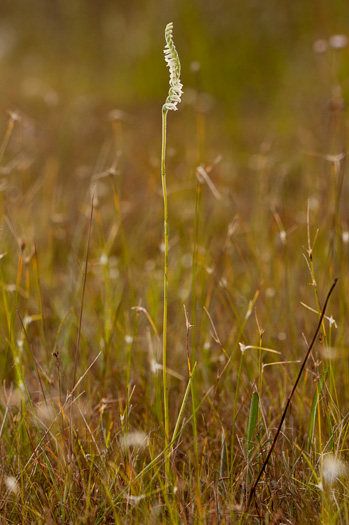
[252,421]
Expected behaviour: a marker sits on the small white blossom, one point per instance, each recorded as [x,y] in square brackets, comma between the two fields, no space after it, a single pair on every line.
[172,60]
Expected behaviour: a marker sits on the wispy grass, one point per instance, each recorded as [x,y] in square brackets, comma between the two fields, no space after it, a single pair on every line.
[114,406]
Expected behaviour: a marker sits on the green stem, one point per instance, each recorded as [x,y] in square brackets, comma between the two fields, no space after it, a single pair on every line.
[164,339]
[194,339]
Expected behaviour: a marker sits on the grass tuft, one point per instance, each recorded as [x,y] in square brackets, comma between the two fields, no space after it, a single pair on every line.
[114,406]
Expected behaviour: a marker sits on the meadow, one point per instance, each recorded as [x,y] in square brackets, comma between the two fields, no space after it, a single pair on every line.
[246,421]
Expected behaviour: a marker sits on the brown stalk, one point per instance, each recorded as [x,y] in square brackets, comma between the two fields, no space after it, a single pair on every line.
[253,489]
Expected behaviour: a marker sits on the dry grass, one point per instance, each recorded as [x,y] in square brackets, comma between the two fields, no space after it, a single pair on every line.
[256,238]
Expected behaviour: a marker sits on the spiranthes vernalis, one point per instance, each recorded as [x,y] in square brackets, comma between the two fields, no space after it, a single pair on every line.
[174,97]
[174,65]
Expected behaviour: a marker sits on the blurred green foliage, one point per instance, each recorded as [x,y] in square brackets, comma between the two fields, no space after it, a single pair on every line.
[250,52]
[249,68]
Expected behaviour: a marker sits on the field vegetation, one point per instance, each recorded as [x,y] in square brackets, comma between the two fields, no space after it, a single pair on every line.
[258,239]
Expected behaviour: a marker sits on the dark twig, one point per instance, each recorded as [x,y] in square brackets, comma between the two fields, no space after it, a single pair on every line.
[253,489]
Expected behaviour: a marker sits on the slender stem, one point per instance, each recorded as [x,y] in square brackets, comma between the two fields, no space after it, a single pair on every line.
[164,339]
[194,338]
[80,322]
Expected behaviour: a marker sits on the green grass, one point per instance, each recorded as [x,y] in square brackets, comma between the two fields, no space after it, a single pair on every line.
[258,224]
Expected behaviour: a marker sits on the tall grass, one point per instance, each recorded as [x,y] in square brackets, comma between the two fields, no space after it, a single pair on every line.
[96,422]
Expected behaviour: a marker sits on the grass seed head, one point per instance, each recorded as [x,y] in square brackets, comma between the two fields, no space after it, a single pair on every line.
[333,469]
[11,484]
[136,439]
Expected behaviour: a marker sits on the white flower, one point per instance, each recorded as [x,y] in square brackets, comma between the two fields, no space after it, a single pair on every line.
[172,60]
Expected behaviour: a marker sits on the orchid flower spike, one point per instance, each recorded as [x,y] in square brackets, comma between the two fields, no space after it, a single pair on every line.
[172,60]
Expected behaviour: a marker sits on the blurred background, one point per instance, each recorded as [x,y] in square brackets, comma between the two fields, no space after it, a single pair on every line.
[254,61]
[265,90]
[263,77]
